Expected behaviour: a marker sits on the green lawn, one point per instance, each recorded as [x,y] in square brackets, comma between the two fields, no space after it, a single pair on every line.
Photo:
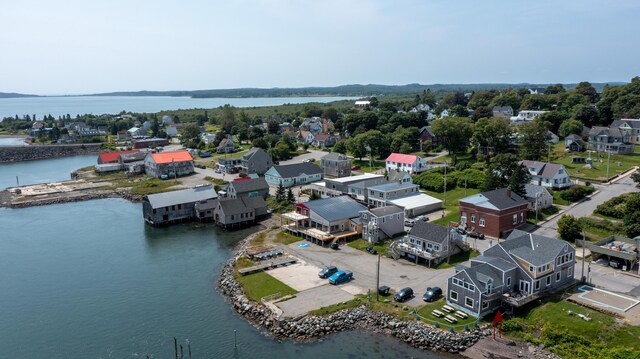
[462,157]
[140,185]
[365,167]
[259,285]
[557,200]
[457,259]
[452,204]
[285,238]
[570,336]
[230,155]
[542,215]
[617,164]
[361,244]
[426,317]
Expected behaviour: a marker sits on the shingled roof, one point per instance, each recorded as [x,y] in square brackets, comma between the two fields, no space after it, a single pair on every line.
[430,232]
[497,199]
[249,185]
[295,169]
[542,169]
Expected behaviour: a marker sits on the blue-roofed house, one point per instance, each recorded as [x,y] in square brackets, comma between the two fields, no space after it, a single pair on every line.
[326,220]
[521,269]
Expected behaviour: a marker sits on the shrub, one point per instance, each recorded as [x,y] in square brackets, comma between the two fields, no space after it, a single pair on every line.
[475,178]
[576,193]
[569,228]
[615,207]
[434,181]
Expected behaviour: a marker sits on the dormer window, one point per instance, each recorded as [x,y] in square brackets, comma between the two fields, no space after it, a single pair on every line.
[531,269]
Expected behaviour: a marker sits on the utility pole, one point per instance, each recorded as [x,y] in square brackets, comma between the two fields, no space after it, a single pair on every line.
[378,280]
[608,162]
[444,202]
[583,242]
[549,155]
[465,185]
[449,244]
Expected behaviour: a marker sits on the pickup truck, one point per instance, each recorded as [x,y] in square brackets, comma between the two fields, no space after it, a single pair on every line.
[340,276]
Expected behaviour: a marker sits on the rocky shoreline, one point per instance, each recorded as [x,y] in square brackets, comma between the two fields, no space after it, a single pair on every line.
[315,327]
[42,152]
[5,198]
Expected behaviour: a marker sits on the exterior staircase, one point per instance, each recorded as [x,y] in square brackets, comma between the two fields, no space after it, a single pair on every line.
[393,251]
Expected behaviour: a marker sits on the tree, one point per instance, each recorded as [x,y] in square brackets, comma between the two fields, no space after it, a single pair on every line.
[190,136]
[505,170]
[428,98]
[632,216]
[260,143]
[588,115]
[584,88]
[273,127]
[569,228]
[482,99]
[554,118]
[533,140]
[569,127]
[459,111]
[554,89]
[481,112]
[357,147]
[492,135]
[155,127]
[330,113]
[507,98]
[280,193]
[340,147]
[635,176]
[454,134]
[280,151]
[290,197]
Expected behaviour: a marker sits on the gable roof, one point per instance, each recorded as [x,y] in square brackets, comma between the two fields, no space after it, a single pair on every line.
[632,122]
[605,131]
[481,273]
[394,175]
[188,195]
[335,208]
[543,169]
[249,185]
[534,249]
[399,157]
[502,264]
[386,210]
[252,152]
[295,169]
[335,156]
[321,136]
[497,199]
[113,156]
[168,157]
[430,232]
[532,190]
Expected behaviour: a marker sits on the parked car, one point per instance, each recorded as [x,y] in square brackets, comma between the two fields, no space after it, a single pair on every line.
[432,294]
[334,245]
[403,295]
[325,149]
[340,276]
[200,166]
[409,222]
[461,230]
[371,250]
[422,218]
[309,160]
[475,235]
[327,272]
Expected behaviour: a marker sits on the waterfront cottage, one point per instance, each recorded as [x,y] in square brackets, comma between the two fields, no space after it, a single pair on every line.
[381,223]
[178,206]
[112,157]
[294,174]
[169,164]
[239,212]
[249,187]
[518,271]
[430,243]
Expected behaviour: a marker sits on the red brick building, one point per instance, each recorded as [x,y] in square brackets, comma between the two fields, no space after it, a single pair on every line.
[494,213]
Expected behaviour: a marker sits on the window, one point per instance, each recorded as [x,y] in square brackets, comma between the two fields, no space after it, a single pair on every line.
[473,218]
[364,216]
[154,211]
[521,217]
[485,304]
[531,269]
[481,222]
[515,219]
[453,295]
[558,276]
[548,280]
[508,281]
[570,272]
[537,284]
[468,302]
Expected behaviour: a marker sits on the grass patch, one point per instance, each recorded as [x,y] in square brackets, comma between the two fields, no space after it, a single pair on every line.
[361,244]
[427,317]
[542,215]
[365,165]
[557,199]
[353,303]
[139,185]
[285,238]
[457,259]
[618,163]
[259,285]
[452,203]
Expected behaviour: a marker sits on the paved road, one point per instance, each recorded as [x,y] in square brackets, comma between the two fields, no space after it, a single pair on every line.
[313,154]
[586,208]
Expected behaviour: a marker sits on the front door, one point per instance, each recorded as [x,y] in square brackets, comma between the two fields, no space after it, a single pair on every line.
[525,286]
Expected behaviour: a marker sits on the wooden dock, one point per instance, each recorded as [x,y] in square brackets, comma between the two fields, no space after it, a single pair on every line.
[267,265]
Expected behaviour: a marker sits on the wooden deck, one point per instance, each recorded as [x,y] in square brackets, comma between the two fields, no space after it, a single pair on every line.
[267,265]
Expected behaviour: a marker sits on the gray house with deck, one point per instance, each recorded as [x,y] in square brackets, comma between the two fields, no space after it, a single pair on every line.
[177,206]
[382,223]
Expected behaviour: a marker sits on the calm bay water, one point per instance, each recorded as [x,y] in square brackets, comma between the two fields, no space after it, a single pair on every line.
[90,280]
[42,171]
[97,105]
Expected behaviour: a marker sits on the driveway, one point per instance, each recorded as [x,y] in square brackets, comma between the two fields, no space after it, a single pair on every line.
[312,299]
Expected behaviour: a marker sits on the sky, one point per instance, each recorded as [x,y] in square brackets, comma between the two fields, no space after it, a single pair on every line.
[81,47]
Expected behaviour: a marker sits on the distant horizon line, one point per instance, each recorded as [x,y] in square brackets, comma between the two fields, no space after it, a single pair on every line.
[190,93]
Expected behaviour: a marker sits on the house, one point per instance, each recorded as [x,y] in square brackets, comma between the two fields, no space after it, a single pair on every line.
[327,125]
[167,120]
[502,111]
[518,271]
[226,146]
[444,113]
[404,195]
[170,164]
[250,187]
[324,140]
[123,135]
[408,163]
[430,243]
[239,212]
[427,137]
[336,165]
[629,127]
[294,174]
[172,131]
[177,206]
[493,213]
[575,143]
[609,140]
[90,132]
[113,157]
[149,142]
[538,197]
[526,116]
[553,138]
[228,165]
[137,131]
[362,104]
[132,162]
[547,174]
[399,176]
[380,194]
[326,220]
[305,137]
[421,108]
[354,186]
[255,161]
[381,223]
[313,125]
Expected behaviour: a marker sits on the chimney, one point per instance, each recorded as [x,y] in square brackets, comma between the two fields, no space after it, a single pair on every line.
[509,192]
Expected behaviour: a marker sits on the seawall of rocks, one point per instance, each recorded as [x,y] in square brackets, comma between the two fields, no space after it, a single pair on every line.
[314,327]
[6,198]
[41,152]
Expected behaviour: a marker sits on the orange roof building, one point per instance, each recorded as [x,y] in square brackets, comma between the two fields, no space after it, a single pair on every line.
[112,157]
[170,164]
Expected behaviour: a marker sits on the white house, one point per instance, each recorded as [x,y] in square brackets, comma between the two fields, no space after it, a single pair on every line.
[538,197]
[526,116]
[172,131]
[547,174]
[294,174]
[406,163]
